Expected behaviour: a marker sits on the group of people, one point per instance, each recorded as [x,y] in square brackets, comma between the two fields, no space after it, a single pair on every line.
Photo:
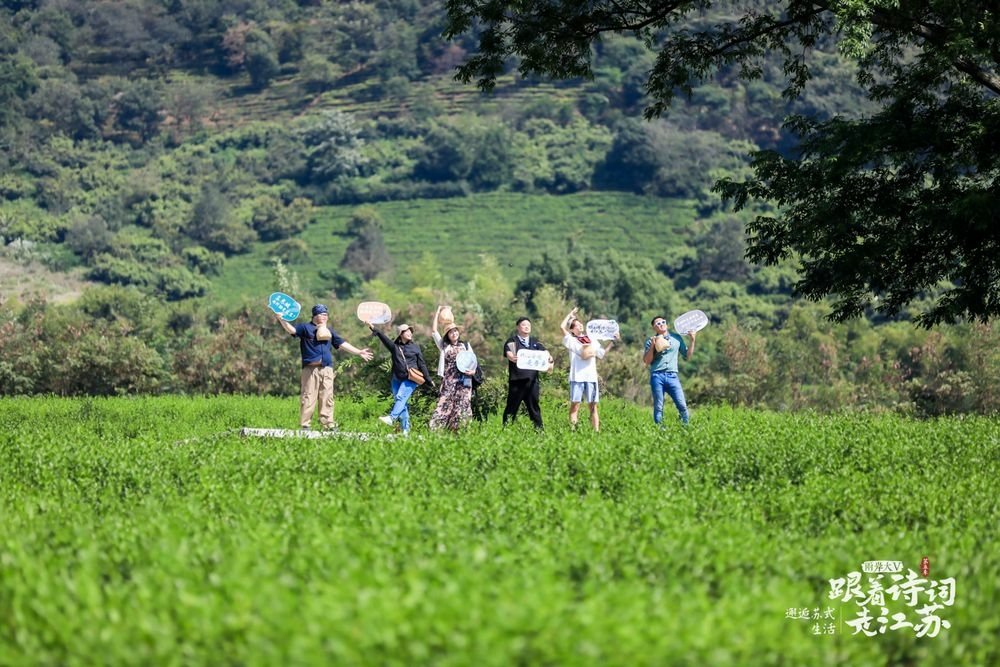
[454,408]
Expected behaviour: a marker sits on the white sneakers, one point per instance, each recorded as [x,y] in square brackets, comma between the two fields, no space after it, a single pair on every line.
[387,420]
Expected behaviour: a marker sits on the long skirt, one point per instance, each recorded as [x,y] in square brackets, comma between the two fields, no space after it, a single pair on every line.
[454,407]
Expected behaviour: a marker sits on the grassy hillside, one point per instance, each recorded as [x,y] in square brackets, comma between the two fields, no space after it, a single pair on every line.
[118,176]
[183,125]
[514,228]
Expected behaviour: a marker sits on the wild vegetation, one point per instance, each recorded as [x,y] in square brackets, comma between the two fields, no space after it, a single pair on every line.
[152,144]
[860,197]
[118,341]
[195,156]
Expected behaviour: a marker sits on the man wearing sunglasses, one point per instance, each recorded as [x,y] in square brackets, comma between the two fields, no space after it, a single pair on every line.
[662,350]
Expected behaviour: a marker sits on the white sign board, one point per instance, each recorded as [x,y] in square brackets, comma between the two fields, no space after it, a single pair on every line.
[374,312]
[602,329]
[533,360]
[693,320]
[466,361]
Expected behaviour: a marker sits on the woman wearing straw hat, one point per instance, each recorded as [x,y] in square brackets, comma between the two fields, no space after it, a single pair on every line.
[662,350]
[454,407]
[409,370]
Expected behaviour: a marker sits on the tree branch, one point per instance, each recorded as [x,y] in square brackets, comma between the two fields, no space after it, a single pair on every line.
[978,74]
[743,37]
[938,36]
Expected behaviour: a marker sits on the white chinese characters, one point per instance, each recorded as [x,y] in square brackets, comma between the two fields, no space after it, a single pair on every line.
[923,596]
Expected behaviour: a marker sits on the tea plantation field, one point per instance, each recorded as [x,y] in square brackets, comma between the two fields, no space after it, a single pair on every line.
[146,531]
[513,228]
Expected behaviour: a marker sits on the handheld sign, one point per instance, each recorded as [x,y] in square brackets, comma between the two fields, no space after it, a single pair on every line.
[466,361]
[374,312]
[285,306]
[693,320]
[533,360]
[602,329]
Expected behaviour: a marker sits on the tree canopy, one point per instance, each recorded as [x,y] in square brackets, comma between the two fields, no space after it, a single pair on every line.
[882,210]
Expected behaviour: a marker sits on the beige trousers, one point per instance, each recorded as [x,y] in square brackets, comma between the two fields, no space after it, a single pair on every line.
[317,385]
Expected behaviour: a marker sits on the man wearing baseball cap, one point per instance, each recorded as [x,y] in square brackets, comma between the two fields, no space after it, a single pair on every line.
[316,343]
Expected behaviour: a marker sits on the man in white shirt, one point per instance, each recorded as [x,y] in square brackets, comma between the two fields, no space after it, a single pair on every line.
[583,356]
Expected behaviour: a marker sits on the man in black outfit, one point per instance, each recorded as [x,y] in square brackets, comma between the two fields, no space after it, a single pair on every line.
[522,384]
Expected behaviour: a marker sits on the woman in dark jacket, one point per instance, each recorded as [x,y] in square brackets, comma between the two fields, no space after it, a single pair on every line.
[405,355]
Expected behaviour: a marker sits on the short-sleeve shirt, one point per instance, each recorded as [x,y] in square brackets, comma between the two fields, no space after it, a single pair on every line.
[316,350]
[667,360]
[580,369]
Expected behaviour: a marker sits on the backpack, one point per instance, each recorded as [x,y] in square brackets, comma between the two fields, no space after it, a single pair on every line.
[477,377]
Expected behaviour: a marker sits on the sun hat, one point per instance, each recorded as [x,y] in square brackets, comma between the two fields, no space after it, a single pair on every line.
[661,343]
[401,328]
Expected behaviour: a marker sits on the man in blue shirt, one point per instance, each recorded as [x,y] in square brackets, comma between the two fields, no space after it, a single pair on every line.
[662,350]
[317,342]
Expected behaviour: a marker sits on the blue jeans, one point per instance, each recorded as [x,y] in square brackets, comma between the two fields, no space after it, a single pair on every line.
[401,390]
[667,381]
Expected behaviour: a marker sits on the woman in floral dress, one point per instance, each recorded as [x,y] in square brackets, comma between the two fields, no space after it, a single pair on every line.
[454,407]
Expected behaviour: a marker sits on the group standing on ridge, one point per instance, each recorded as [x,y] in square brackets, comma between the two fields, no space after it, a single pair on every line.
[458,373]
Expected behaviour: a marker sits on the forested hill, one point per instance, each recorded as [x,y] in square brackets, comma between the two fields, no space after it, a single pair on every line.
[190,156]
[149,142]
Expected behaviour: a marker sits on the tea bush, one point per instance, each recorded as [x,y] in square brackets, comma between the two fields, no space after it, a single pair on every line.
[146,531]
